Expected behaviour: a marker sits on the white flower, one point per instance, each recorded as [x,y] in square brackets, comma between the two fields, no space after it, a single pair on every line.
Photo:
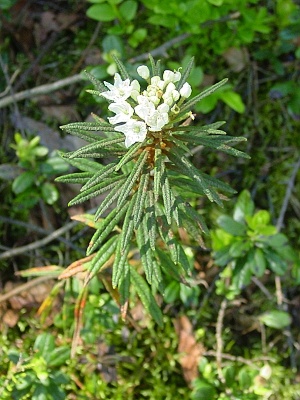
[170,76]
[144,108]
[157,120]
[123,111]
[177,76]
[120,90]
[143,71]
[186,90]
[134,131]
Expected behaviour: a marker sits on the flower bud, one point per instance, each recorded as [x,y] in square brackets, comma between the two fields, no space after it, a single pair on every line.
[168,76]
[177,76]
[143,71]
[186,90]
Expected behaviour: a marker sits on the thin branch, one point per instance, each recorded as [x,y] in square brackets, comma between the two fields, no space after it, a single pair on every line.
[240,359]
[219,339]
[26,286]
[43,89]
[288,193]
[161,50]
[39,243]
[39,230]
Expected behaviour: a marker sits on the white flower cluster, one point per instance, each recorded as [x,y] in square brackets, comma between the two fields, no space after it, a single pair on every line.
[138,112]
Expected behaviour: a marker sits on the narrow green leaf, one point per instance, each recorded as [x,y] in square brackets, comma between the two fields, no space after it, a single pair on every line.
[133,177]
[128,224]
[98,84]
[105,143]
[151,220]
[95,191]
[276,319]
[193,215]
[153,65]
[167,236]
[76,177]
[166,194]
[146,297]
[189,104]
[82,164]
[124,285]
[231,226]
[185,74]
[88,126]
[109,199]
[130,154]
[194,174]
[99,176]
[145,251]
[121,67]
[108,225]
[120,264]
[158,168]
[175,271]
[141,199]
[103,255]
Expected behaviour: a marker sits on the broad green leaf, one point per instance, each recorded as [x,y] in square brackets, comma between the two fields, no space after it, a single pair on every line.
[128,9]
[101,12]
[243,207]
[260,262]
[239,248]
[259,219]
[45,344]
[277,240]
[172,292]
[275,319]
[23,182]
[277,264]
[231,226]
[50,193]
[233,100]
[59,356]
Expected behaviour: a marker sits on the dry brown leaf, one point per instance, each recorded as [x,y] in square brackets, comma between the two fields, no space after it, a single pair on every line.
[10,318]
[190,351]
[237,58]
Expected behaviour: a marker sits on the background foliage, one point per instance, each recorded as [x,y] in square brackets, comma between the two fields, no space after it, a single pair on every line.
[241,330]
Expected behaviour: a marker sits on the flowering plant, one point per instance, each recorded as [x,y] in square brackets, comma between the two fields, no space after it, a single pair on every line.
[147,180]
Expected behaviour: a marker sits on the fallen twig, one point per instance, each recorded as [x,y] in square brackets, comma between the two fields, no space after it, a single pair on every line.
[39,243]
[43,89]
